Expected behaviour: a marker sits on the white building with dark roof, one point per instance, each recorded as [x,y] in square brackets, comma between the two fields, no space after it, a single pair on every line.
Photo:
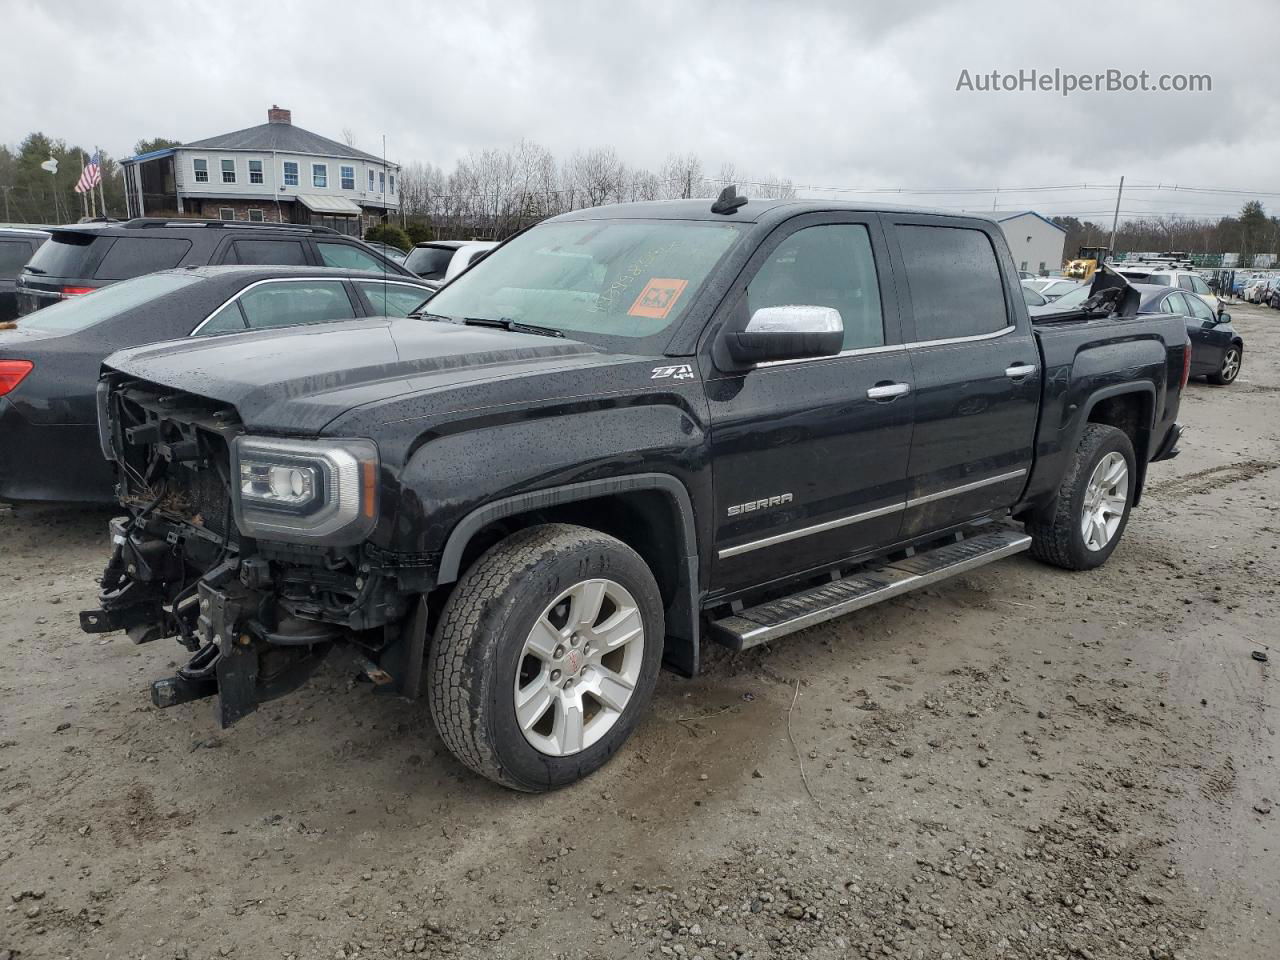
[1035,241]
[272,172]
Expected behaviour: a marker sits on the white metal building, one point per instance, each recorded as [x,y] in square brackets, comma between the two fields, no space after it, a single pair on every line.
[1036,242]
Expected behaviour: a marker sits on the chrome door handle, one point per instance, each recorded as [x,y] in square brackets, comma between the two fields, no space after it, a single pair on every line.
[1019,370]
[888,391]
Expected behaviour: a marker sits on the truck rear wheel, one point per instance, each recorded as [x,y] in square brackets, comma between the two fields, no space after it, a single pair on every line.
[546,656]
[1093,503]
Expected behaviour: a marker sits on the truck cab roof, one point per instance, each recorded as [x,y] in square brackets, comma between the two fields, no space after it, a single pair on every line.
[753,211]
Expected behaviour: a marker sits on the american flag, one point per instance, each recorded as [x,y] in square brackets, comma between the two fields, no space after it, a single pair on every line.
[91,176]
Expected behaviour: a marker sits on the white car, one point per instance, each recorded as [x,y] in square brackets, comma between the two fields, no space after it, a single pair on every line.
[1256,289]
[1051,288]
[444,259]
[1182,277]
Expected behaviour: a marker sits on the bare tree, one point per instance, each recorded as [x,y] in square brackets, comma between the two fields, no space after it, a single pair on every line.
[596,176]
[495,192]
[681,176]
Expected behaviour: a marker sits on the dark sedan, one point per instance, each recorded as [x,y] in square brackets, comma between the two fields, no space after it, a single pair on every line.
[49,360]
[1217,349]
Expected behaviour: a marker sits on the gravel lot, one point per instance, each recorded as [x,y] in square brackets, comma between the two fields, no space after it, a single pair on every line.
[1020,763]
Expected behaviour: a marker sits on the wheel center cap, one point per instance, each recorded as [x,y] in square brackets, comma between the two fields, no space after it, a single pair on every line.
[573,662]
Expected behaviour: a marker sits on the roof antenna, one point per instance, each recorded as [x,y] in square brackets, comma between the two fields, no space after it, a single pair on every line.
[729,201]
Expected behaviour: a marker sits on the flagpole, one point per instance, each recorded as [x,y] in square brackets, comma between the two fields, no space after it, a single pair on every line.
[102,180]
[84,201]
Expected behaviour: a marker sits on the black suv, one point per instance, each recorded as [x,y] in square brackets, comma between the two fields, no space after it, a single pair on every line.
[79,259]
[17,244]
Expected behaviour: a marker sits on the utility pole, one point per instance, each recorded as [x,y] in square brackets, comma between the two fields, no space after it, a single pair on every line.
[1115,221]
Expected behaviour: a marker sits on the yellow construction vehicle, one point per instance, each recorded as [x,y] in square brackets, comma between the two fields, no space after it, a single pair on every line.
[1086,263]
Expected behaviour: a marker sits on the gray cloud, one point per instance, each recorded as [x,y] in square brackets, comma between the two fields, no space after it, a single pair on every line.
[829,94]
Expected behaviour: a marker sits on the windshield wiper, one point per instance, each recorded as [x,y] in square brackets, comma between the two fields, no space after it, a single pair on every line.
[415,315]
[31,269]
[506,323]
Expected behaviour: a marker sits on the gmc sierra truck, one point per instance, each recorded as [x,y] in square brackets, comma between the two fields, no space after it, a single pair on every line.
[629,430]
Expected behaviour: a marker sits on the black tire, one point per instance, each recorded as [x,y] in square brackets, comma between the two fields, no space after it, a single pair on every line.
[1057,538]
[1226,374]
[477,651]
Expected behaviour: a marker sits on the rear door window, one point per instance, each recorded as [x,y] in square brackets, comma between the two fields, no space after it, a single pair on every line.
[13,255]
[1174,303]
[133,256]
[348,256]
[1199,286]
[270,252]
[955,283]
[391,299]
[292,302]
[825,266]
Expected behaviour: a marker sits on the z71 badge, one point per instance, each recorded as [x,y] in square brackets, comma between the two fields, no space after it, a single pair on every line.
[679,371]
[762,504]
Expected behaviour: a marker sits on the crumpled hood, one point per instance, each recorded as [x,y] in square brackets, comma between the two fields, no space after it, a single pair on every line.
[296,380]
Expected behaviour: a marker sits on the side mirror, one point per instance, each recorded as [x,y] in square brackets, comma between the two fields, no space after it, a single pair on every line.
[787,333]
[1224,317]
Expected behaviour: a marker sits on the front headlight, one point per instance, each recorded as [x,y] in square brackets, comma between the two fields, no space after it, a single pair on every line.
[305,491]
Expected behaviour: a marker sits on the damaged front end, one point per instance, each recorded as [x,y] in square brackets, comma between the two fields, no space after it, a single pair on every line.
[250,551]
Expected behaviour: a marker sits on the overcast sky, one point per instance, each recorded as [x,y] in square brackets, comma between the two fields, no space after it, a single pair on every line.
[828,94]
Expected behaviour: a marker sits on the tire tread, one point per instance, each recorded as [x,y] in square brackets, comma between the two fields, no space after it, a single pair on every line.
[1051,536]
[459,651]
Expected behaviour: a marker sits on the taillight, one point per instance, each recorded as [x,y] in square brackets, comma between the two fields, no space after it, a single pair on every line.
[12,372]
[1186,365]
[77,291]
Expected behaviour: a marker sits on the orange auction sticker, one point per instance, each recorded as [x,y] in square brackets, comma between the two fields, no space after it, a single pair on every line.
[657,298]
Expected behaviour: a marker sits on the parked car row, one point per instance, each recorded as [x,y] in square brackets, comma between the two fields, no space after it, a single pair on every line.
[1262,290]
[80,259]
[86,290]
[51,359]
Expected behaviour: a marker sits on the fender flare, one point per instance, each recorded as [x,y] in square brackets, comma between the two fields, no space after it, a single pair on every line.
[683,612]
[1142,457]
[1115,390]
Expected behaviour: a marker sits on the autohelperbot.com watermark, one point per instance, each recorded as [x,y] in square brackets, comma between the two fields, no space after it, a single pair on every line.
[1066,83]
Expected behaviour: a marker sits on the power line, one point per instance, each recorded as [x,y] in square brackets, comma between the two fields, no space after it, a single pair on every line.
[1040,188]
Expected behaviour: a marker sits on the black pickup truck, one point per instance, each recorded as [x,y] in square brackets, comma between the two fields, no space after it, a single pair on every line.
[630,429]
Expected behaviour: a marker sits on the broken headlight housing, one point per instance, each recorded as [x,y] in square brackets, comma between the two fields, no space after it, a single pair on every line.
[305,491]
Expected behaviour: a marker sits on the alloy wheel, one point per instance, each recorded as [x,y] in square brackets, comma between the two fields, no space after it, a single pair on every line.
[1231,365]
[1104,501]
[579,667]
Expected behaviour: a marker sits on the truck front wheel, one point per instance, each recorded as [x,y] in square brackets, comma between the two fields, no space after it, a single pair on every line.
[1093,503]
[546,656]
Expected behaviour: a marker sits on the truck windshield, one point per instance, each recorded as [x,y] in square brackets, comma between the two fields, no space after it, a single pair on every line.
[613,278]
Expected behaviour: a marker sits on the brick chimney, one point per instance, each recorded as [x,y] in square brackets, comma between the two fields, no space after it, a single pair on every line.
[279,115]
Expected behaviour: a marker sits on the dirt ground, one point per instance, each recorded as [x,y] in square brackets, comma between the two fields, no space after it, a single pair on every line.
[1020,763]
